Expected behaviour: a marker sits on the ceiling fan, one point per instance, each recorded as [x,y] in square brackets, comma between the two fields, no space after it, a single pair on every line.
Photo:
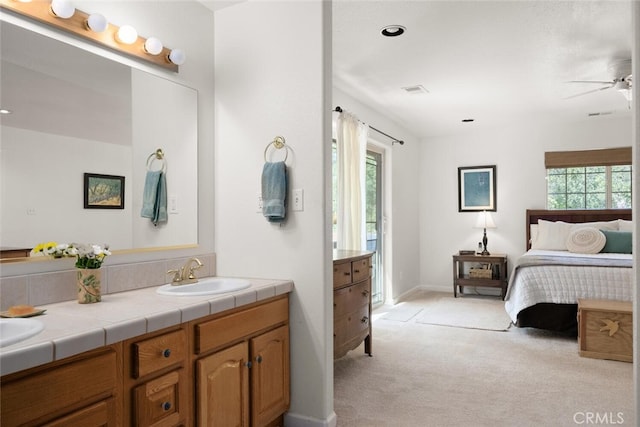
[622,82]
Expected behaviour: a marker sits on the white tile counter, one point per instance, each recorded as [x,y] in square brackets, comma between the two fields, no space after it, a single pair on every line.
[71,328]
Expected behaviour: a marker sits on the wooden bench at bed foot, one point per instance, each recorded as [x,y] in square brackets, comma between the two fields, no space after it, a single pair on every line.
[605,329]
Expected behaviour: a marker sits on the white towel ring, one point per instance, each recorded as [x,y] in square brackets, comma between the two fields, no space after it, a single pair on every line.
[278,142]
[157,155]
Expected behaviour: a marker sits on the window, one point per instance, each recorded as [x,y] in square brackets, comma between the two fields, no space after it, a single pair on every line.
[590,179]
[592,187]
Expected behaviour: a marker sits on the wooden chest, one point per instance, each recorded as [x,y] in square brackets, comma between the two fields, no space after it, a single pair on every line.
[605,329]
[351,301]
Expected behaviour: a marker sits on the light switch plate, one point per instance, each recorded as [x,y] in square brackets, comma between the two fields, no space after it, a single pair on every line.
[298,199]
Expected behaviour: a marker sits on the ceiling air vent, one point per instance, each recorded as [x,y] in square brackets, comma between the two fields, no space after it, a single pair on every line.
[414,90]
[601,113]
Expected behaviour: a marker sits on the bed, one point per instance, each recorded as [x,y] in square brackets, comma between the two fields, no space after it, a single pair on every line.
[547,280]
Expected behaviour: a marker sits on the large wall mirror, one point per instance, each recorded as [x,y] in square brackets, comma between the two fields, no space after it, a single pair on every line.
[75,112]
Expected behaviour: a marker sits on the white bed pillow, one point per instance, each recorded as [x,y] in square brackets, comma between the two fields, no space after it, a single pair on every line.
[600,225]
[625,225]
[552,235]
[586,240]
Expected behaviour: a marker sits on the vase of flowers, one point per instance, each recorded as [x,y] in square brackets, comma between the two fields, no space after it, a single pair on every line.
[89,259]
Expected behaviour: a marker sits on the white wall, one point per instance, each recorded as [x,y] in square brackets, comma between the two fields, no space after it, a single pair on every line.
[518,153]
[402,243]
[52,187]
[272,69]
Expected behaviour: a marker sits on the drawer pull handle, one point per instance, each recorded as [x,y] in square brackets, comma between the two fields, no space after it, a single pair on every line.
[166,406]
[166,353]
[346,273]
[259,359]
[356,271]
[365,293]
[248,364]
[365,319]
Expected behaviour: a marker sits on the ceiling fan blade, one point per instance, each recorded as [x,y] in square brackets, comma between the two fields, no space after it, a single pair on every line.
[592,81]
[590,91]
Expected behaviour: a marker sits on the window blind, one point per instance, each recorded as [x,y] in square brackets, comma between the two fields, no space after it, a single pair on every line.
[572,159]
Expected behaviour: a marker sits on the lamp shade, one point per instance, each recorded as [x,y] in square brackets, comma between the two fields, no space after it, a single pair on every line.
[485,220]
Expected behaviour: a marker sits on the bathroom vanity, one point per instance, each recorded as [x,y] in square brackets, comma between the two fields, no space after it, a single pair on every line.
[225,362]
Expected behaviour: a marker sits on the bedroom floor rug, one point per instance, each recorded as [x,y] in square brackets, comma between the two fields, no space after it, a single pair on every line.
[402,312]
[467,312]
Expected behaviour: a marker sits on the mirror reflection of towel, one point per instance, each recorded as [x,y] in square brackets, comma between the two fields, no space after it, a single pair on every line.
[154,197]
[274,191]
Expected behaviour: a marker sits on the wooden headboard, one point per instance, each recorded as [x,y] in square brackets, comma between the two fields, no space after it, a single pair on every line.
[575,216]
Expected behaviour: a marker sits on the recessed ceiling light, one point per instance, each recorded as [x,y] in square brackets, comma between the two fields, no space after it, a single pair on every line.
[467,120]
[393,30]
[5,111]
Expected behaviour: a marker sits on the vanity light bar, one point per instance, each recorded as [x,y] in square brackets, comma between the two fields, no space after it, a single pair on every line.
[79,23]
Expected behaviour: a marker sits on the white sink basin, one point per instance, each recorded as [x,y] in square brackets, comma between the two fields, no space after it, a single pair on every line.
[16,330]
[206,286]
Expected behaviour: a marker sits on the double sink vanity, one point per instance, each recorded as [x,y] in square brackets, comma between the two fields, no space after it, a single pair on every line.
[169,355]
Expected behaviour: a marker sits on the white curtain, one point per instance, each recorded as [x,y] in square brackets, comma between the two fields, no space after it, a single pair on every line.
[351,142]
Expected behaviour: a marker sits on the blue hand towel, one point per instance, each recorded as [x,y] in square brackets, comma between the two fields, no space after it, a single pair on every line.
[274,191]
[154,197]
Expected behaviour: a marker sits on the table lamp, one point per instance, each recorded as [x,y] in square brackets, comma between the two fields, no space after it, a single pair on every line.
[485,221]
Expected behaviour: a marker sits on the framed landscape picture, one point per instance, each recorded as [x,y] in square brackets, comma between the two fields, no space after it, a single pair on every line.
[477,188]
[103,191]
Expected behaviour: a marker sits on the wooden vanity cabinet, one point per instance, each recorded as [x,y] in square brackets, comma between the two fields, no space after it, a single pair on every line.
[227,369]
[242,366]
[157,379]
[84,390]
[351,301]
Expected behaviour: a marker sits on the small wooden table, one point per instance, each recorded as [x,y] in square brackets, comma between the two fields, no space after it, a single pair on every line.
[461,277]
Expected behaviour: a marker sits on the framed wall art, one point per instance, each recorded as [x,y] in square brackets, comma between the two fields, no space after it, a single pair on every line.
[477,188]
[103,191]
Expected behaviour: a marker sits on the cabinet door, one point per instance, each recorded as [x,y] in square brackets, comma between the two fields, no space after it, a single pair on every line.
[269,376]
[222,388]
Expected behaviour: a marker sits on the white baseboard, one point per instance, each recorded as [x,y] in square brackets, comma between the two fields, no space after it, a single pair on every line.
[298,420]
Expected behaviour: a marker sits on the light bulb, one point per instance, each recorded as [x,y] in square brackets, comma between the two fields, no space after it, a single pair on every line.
[97,23]
[127,34]
[153,46]
[177,57]
[62,9]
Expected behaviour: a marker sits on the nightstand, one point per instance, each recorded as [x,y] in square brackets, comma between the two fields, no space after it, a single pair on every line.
[461,276]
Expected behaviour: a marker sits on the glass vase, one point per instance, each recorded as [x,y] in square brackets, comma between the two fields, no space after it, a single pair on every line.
[89,285]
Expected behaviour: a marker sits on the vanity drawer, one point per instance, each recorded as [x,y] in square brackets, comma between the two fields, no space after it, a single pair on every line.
[158,352]
[360,269]
[346,299]
[341,274]
[160,401]
[215,333]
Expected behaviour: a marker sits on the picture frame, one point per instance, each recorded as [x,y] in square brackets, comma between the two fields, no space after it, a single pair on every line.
[477,188]
[103,191]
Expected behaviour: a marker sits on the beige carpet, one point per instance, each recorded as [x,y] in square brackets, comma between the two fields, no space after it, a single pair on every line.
[430,375]
[467,312]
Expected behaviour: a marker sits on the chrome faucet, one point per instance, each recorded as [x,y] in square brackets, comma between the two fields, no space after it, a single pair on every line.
[185,275]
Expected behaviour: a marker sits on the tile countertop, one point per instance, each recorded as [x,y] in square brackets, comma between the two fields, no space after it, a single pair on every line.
[71,328]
